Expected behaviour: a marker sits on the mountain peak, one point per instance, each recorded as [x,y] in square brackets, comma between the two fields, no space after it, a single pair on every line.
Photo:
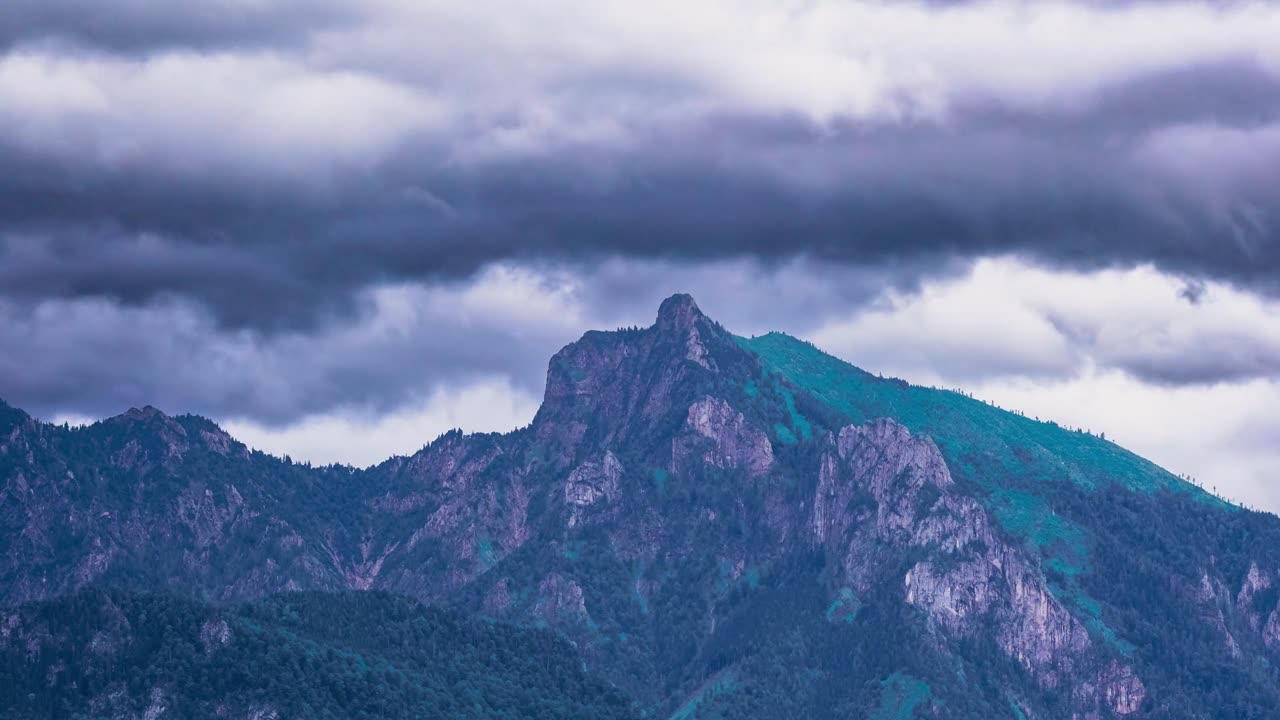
[678,312]
[148,412]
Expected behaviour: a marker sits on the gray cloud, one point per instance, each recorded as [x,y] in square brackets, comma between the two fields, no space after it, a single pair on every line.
[234,191]
[89,357]
[1007,320]
[269,255]
[144,26]
[283,218]
[1085,188]
[398,345]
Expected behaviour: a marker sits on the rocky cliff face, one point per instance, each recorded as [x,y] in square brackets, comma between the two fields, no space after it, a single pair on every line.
[969,580]
[715,537]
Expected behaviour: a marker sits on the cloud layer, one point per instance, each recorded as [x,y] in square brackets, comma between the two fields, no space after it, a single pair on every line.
[272,163]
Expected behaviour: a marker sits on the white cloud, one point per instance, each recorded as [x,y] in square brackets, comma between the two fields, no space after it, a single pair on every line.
[1191,386]
[190,112]
[407,342]
[492,405]
[1223,435]
[1007,319]
[951,331]
[493,80]
[823,58]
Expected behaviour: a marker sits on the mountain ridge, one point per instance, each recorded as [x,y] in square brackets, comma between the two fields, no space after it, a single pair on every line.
[723,526]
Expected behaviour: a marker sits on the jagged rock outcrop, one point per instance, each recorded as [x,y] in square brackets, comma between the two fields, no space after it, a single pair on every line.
[214,634]
[734,445]
[1120,691]
[1255,583]
[560,600]
[1271,630]
[1216,600]
[1251,604]
[971,580]
[591,483]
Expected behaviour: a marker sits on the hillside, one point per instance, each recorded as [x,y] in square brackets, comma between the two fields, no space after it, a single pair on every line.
[344,656]
[724,527]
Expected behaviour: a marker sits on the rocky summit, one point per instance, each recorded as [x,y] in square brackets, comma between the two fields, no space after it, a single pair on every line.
[722,527]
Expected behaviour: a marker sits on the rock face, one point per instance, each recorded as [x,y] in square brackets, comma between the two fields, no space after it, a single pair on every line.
[591,483]
[696,524]
[1255,584]
[1271,631]
[734,443]
[970,581]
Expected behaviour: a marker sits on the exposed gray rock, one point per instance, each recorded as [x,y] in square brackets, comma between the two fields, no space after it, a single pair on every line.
[1271,631]
[363,573]
[1255,583]
[737,444]
[592,482]
[884,462]
[1214,596]
[1116,689]
[560,599]
[679,316]
[157,707]
[214,634]
[498,600]
[220,442]
[972,580]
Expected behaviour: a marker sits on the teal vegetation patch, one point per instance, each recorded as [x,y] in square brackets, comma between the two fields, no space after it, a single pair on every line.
[722,684]
[900,695]
[660,479]
[798,421]
[641,600]
[487,554]
[1030,519]
[784,434]
[749,576]
[1090,612]
[845,607]
[967,430]
[1063,546]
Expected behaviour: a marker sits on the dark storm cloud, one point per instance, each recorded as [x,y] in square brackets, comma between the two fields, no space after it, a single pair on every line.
[96,358]
[144,26]
[1225,363]
[1082,189]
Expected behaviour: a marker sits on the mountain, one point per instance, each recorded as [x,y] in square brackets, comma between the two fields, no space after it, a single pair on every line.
[724,527]
[345,656]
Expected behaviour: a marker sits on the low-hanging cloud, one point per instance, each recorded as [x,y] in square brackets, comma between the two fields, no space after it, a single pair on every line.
[402,342]
[1007,320]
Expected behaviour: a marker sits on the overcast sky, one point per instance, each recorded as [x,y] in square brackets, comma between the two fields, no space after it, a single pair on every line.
[340,227]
